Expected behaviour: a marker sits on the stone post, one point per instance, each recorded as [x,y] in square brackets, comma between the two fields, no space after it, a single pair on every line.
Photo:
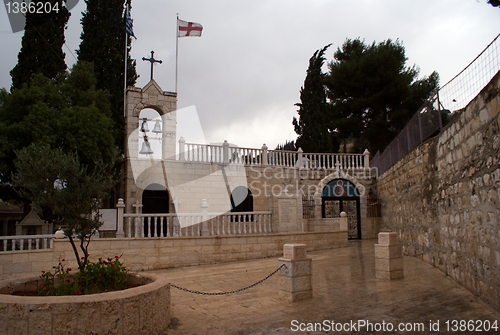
[295,282]
[388,257]
[225,152]
[264,154]
[120,207]
[138,232]
[366,162]
[182,149]
[300,163]
[343,221]
[204,217]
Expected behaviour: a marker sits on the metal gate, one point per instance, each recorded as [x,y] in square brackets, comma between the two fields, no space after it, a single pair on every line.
[332,206]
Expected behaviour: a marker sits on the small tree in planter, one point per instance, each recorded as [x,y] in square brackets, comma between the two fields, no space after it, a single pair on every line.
[57,180]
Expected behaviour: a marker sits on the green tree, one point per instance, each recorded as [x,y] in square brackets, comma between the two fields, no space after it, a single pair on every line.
[288,146]
[71,115]
[103,43]
[41,46]
[56,180]
[372,93]
[313,128]
[494,3]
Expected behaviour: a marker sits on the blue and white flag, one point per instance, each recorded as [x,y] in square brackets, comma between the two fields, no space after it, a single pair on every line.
[129,26]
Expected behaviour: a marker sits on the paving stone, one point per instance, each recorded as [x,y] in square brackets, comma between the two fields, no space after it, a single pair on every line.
[344,289]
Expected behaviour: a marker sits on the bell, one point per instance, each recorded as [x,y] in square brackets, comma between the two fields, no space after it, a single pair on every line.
[157,127]
[144,126]
[146,148]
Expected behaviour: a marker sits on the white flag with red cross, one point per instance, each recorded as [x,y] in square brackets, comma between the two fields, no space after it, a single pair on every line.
[188,29]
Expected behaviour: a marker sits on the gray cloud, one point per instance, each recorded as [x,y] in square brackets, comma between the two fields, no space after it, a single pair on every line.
[245,72]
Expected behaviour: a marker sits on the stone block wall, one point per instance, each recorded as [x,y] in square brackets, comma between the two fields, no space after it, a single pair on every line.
[443,198]
[139,254]
[139,310]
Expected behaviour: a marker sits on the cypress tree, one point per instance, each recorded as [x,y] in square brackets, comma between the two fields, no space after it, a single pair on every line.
[313,123]
[41,46]
[103,43]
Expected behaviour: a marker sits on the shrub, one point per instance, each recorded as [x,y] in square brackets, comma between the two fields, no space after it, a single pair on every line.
[103,276]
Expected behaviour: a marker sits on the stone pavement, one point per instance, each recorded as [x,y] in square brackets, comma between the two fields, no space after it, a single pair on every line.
[345,291]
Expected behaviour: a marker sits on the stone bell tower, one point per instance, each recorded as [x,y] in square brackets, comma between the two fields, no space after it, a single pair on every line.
[153,97]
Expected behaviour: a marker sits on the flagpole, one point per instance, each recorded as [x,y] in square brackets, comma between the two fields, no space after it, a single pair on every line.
[126,66]
[176,52]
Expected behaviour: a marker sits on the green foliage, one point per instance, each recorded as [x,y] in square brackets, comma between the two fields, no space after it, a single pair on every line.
[56,180]
[494,3]
[103,44]
[315,133]
[103,276]
[288,146]
[59,281]
[372,93]
[366,98]
[71,115]
[41,46]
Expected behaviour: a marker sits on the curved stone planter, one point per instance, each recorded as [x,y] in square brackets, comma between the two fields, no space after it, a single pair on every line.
[139,310]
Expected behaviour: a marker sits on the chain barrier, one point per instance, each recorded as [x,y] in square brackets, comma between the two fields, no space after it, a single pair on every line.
[230,292]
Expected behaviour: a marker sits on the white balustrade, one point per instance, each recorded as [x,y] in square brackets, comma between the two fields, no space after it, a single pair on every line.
[227,154]
[189,225]
[26,242]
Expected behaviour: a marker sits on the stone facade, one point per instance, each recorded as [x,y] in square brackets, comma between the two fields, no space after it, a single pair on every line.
[273,188]
[443,198]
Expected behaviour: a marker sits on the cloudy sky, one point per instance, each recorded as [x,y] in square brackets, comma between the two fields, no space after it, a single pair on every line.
[244,74]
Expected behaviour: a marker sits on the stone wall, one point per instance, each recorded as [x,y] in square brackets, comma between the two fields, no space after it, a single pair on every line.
[140,254]
[139,310]
[443,197]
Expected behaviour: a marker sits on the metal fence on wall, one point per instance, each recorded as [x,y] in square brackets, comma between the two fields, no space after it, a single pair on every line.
[452,96]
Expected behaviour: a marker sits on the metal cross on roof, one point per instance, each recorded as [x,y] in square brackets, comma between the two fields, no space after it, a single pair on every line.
[152,60]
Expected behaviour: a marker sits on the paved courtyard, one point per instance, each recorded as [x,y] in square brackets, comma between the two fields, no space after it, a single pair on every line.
[345,291]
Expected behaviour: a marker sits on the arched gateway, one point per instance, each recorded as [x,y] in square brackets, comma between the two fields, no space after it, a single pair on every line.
[341,195]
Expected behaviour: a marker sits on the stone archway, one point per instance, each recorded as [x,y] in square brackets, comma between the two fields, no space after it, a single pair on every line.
[339,192]
[341,195]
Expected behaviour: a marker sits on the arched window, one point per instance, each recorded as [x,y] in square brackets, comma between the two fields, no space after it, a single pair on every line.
[155,199]
[242,201]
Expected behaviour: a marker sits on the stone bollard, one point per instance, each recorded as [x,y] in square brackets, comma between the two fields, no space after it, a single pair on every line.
[388,257]
[295,280]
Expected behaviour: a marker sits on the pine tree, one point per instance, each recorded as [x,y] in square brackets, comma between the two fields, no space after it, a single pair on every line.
[372,93]
[41,46]
[103,43]
[312,126]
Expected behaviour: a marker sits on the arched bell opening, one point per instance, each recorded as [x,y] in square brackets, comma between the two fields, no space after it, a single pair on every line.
[150,134]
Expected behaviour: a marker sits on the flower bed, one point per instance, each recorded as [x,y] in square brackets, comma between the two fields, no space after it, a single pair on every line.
[144,309]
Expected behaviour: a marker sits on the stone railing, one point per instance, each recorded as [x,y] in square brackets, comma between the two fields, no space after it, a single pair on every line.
[228,154]
[195,224]
[25,242]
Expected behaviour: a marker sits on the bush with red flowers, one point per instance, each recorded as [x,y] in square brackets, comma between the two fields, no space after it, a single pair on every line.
[102,276]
